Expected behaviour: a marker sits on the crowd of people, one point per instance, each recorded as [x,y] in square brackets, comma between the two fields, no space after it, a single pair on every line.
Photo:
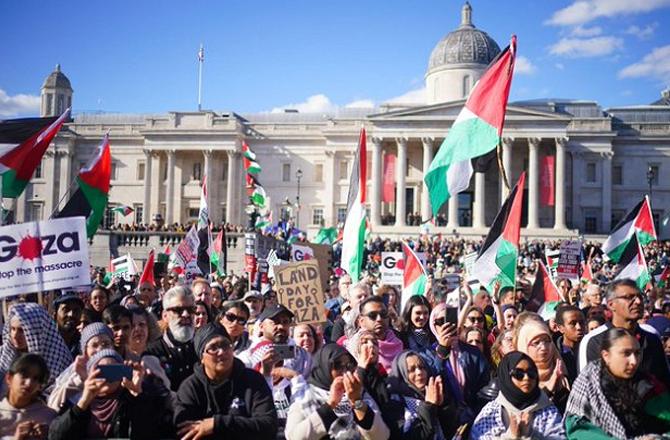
[220,358]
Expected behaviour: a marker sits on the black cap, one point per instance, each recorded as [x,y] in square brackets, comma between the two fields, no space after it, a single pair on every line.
[273,311]
[67,298]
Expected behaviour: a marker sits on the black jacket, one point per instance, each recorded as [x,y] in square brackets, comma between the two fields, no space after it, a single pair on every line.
[242,406]
[176,358]
[147,416]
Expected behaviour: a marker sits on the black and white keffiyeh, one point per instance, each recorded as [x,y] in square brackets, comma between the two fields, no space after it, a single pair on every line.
[41,335]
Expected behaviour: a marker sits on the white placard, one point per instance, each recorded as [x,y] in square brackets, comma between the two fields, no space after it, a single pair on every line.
[41,256]
[568,262]
[469,264]
[392,268]
[187,250]
[301,253]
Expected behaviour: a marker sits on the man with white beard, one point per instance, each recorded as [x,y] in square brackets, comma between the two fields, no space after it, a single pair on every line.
[175,349]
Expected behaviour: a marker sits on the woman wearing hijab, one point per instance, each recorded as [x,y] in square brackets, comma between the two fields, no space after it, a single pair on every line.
[416,334]
[113,409]
[30,329]
[332,403]
[364,347]
[521,409]
[611,398]
[534,339]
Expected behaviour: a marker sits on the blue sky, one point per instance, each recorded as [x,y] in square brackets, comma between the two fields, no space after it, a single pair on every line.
[140,56]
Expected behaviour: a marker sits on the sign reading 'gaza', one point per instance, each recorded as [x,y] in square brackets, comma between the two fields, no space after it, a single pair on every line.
[298,286]
[41,256]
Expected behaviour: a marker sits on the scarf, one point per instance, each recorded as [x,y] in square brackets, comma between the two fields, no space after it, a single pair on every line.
[420,338]
[626,396]
[104,408]
[41,335]
[453,352]
[301,363]
[511,393]
[548,375]
[323,362]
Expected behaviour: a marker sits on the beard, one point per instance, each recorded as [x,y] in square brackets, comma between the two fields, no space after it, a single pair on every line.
[181,333]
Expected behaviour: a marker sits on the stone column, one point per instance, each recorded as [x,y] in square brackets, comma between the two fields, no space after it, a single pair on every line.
[20,208]
[479,204]
[148,182]
[169,196]
[533,183]
[156,186]
[607,191]
[49,174]
[426,211]
[507,143]
[375,200]
[65,172]
[329,212]
[401,172]
[178,191]
[230,187]
[577,175]
[559,205]
[452,222]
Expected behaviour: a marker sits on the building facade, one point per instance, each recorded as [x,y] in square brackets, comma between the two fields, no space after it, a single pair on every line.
[603,160]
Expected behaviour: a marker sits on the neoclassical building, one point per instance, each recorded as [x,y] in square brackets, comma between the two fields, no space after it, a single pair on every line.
[604,159]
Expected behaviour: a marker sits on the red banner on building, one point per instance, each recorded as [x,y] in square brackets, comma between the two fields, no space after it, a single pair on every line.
[388,186]
[547,181]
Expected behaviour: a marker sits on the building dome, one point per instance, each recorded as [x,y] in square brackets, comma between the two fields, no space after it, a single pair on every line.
[57,79]
[458,60]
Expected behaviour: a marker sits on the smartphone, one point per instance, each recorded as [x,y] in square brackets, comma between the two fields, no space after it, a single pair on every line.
[284,351]
[116,372]
[451,315]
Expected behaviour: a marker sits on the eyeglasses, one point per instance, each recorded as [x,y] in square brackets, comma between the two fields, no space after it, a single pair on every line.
[179,310]
[374,315]
[476,318]
[344,366]
[231,317]
[218,348]
[537,343]
[439,322]
[630,298]
[146,289]
[519,374]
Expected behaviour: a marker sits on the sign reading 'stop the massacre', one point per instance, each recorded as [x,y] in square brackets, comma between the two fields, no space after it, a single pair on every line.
[41,256]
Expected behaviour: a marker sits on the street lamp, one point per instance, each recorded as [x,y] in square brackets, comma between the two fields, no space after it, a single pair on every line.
[650,178]
[298,176]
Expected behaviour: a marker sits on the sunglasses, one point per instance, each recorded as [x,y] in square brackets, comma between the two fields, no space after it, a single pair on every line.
[344,366]
[231,317]
[519,374]
[180,310]
[218,348]
[476,318]
[374,315]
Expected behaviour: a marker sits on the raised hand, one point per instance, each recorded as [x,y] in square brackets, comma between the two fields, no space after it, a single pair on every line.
[134,385]
[353,386]
[80,366]
[270,358]
[92,387]
[434,391]
[336,392]
[366,355]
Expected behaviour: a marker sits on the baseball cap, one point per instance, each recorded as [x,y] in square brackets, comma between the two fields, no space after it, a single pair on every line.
[274,311]
[253,294]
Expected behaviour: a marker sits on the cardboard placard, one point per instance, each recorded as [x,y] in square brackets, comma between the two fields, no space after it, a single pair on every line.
[298,286]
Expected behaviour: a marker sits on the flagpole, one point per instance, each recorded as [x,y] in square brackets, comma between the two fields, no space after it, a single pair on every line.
[2,205]
[501,166]
[201,59]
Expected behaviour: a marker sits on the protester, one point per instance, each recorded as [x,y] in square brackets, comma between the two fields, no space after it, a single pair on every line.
[23,414]
[201,291]
[217,297]
[233,317]
[332,403]
[613,397]
[521,409]
[202,315]
[416,334]
[98,300]
[306,337]
[254,302]
[29,329]
[146,294]
[222,397]
[570,322]
[120,322]
[374,317]
[68,314]
[87,317]
[347,323]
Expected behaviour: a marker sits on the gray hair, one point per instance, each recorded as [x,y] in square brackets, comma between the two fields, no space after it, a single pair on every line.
[622,282]
[174,293]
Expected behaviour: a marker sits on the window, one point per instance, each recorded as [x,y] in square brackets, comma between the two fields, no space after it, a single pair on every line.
[467,84]
[50,104]
[193,212]
[617,215]
[344,170]
[617,175]
[139,213]
[36,210]
[114,175]
[591,172]
[317,216]
[591,221]
[197,171]
[286,172]
[654,171]
[318,173]
[38,170]
[341,215]
[110,215]
[140,170]
[60,102]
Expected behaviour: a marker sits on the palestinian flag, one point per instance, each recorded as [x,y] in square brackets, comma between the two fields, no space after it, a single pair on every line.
[23,142]
[355,225]
[218,257]
[90,199]
[264,221]
[124,210]
[472,139]
[587,274]
[497,257]
[414,278]
[148,271]
[326,236]
[545,293]
[249,159]
[164,257]
[633,265]
[663,278]
[638,220]
[259,197]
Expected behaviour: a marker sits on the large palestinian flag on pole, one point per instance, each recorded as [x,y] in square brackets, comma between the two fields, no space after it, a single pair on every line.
[90,199]
[23,142]
[355,224]
[497,257]
[544,294]
[638,221]
[475,133]
[633,264]
[414,279]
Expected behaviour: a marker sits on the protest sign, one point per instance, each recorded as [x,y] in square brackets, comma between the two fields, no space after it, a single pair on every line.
[123,267]
[298,286]
[300,253]
[469,263]
[552,256]
[392,268]
[568,261]
[41,256]
[188,248]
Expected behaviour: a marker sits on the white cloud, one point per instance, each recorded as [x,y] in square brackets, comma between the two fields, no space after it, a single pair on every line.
[581,31]
[523,65]
[584,11]
[314,104]
[586,47]
[642,33]
[559,66]
[655,64]
[417,96]
[361,103]
[18,104]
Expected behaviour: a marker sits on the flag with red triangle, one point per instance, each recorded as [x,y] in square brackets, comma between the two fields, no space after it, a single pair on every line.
[414,279]
[148,271]
[639,221]
[663,278]
[544,291]
[633,265]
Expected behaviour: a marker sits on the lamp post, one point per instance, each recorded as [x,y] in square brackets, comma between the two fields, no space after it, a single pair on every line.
[650,178]
[298,176]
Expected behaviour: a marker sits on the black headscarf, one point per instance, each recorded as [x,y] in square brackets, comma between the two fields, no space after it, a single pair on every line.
[205,334]
[323,361]
[513,394]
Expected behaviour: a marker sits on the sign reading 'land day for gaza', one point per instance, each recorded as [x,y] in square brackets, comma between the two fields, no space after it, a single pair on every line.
[298,286]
